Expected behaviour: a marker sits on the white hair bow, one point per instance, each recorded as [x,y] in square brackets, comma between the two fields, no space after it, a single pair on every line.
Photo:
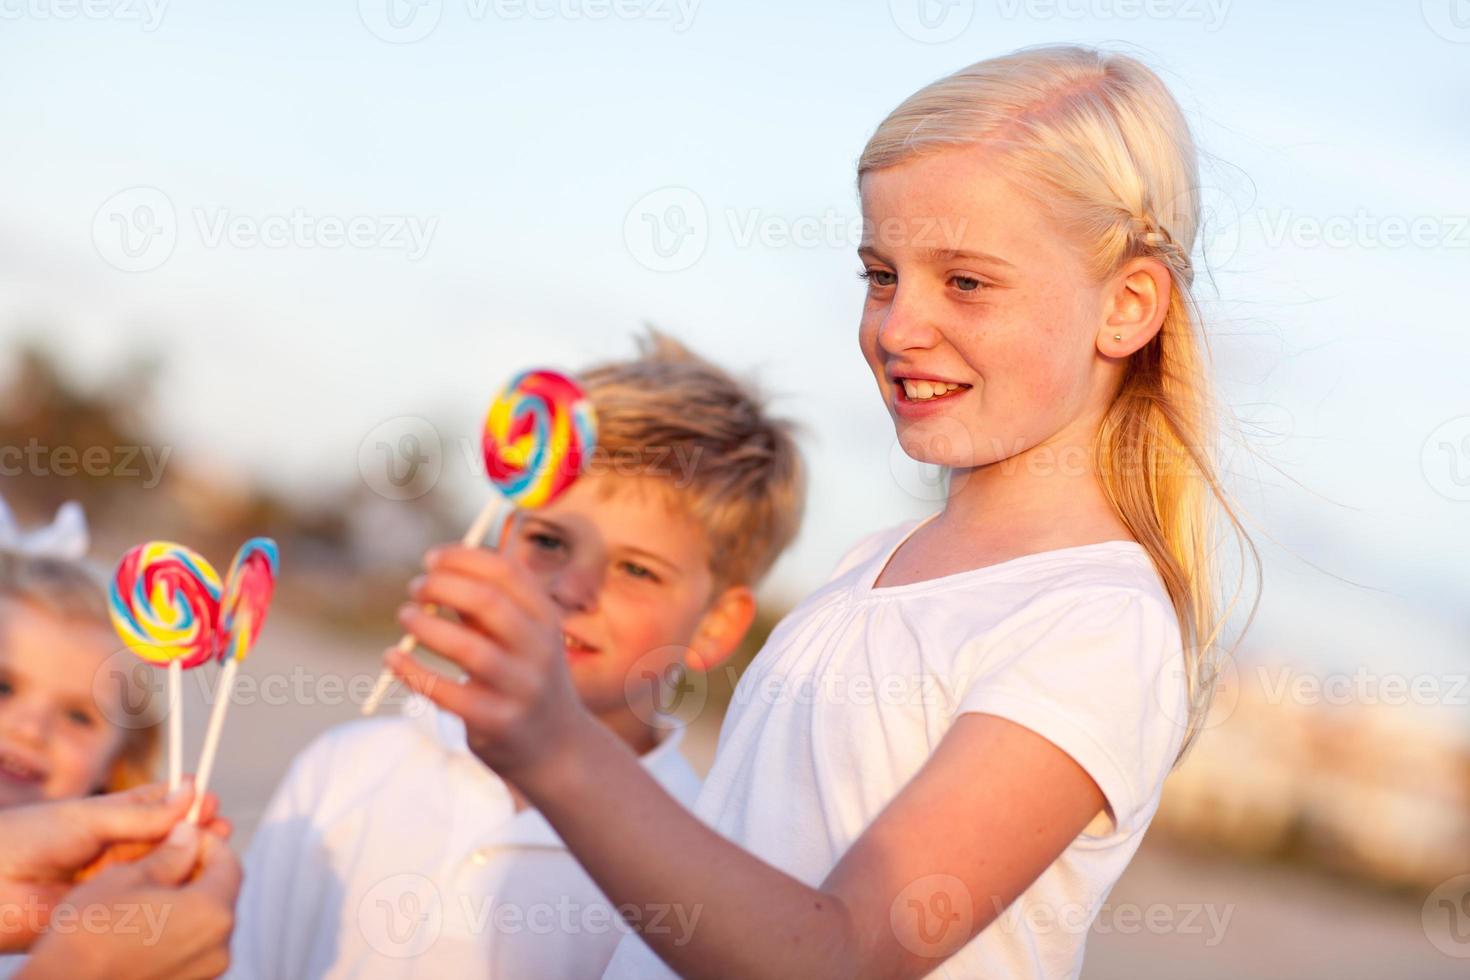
[65,537]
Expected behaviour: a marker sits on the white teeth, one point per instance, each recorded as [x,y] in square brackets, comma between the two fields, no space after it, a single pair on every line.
[924,390]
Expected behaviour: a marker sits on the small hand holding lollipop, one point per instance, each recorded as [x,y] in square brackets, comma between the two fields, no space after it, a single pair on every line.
[539,433]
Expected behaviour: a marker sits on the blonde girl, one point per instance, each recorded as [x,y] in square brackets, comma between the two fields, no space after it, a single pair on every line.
[943,759]
[74,719]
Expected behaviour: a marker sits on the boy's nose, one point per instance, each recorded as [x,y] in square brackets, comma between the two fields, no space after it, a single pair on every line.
[574,589]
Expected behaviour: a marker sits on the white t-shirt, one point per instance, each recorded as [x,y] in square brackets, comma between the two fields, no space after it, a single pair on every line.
[390,851]
[856,687]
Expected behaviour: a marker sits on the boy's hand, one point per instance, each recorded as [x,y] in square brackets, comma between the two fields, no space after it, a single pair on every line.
[521,712]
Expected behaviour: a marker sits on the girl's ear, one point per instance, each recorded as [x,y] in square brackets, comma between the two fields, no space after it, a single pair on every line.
[723,627]
[1134,306]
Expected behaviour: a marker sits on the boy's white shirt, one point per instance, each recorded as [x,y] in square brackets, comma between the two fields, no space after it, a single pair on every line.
[390,851]
[856,687]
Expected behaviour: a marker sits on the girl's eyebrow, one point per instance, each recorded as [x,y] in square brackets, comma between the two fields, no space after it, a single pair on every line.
[950,254]
[942,255]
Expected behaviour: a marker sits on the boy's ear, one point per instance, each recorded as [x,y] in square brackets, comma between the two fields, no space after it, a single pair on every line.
[724,625]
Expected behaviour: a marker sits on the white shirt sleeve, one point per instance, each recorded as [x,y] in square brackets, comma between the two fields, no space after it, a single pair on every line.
[1101,677]
[276,911]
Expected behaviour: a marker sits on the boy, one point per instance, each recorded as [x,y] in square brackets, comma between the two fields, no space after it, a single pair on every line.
[391,851]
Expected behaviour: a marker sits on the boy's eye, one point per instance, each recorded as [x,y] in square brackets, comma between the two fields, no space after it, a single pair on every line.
[966,284]
[638,571]
[79,717]
[878,277]
[546,542]
[6,690]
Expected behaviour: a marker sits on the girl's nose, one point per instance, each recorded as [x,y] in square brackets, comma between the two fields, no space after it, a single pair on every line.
[24,723]
[907,324]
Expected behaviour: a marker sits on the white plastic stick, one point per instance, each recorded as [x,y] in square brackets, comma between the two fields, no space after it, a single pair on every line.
[222,693]
[175,725]
[495,513]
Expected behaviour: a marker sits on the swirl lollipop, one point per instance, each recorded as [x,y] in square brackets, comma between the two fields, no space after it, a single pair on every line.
[538,435]
[164,604]
[249,587]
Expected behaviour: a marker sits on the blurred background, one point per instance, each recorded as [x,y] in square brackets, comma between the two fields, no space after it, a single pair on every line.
[261,267]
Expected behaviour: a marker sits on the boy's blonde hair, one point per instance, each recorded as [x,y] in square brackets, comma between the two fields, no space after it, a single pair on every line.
[676,417]
[1097,138]
[66,590]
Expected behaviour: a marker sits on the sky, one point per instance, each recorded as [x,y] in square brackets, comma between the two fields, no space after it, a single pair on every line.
[336,218]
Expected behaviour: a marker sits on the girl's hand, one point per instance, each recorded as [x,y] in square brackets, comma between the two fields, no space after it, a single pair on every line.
[522,715]
[44,847]
[169,915]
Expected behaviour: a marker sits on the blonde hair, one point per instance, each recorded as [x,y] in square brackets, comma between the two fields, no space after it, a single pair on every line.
[66,590]
[707,437]
[1097,139]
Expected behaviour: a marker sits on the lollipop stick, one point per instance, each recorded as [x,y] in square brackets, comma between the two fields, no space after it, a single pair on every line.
[175,724]
[497,514]
[222,694]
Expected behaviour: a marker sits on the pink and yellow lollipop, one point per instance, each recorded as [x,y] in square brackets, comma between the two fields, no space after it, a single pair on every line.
[540,430]
[164,604]
[249,586]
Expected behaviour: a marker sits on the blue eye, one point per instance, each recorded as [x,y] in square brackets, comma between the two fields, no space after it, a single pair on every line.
[966,284]
[878,277]
[547,542]
[638,571]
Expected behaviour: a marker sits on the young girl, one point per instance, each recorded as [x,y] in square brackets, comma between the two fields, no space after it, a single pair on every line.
[944,759]
[71,723]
